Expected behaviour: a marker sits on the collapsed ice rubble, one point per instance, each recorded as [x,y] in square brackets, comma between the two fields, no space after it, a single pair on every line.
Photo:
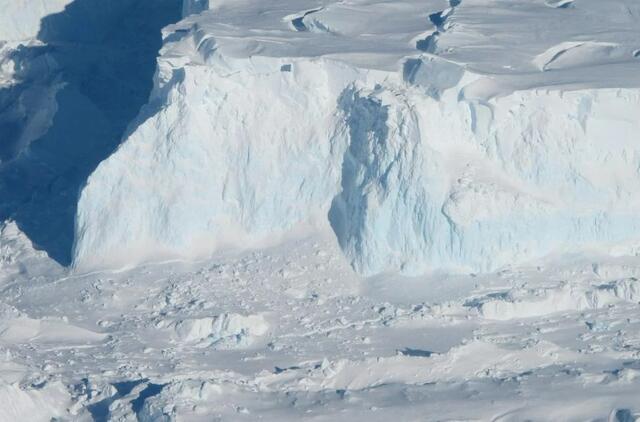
[419,160]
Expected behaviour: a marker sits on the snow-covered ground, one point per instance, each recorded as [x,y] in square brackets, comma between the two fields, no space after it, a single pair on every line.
[292,333]
[319,210]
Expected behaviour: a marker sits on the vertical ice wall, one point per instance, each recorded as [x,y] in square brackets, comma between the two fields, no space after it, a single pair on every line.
[234,162]
[384,209]
[408,182]
[415,162]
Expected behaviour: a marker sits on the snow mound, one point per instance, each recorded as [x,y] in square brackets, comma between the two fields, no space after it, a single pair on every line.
[475,359]
[417,160]
[226,331]
[18,256]
[17,328]
[39,404]
[567,297]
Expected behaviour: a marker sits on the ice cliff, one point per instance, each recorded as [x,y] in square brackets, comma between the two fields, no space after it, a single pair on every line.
[423,139]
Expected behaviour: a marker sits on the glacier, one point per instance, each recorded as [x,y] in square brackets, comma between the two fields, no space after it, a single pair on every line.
[374,118]
[228,190]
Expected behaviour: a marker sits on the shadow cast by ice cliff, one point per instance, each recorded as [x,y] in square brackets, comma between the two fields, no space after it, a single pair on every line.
[70,108]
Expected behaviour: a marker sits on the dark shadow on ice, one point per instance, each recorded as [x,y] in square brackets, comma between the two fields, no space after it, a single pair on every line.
[150,391]
[407,351]
[71,107]
[100,410]
[362,165]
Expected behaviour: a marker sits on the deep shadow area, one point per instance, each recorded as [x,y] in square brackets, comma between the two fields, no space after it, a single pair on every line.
[71,107]
[100,410]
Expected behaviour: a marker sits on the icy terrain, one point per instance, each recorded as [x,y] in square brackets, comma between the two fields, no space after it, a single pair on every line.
[387,121]
[292,333]
[319,210]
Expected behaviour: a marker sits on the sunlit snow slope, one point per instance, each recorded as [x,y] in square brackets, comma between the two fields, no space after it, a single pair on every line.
[428,134]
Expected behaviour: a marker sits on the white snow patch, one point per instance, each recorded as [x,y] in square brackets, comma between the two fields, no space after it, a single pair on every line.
[20,19]
[574,54]
[38,404]
[29,330]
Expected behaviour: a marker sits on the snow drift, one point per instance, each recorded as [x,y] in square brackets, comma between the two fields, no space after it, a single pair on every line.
[375,118]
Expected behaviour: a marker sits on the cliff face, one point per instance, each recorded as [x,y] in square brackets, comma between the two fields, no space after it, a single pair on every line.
[375,119]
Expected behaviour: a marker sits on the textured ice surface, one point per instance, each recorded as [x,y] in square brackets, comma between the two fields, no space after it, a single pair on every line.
[292,333]
[267,117]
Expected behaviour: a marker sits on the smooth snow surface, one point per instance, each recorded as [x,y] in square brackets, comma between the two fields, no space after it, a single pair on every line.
[21,19]
[429,136]
[67,95]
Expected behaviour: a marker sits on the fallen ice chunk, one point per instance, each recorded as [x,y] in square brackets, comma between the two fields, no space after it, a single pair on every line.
[222,331]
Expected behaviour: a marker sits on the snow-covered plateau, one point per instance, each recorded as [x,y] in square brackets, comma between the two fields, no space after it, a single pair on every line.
[416,210]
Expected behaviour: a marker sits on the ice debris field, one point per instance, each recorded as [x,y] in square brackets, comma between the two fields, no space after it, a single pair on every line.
[416,210]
